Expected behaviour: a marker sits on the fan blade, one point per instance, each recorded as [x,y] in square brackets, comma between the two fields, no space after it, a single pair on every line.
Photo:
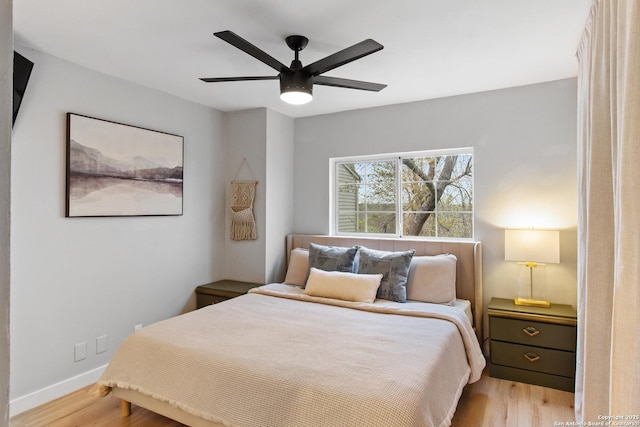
[237,41]
[236,79]
[345,56]
[349,84]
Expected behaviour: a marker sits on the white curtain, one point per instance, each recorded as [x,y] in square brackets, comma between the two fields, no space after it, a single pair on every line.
[608,360]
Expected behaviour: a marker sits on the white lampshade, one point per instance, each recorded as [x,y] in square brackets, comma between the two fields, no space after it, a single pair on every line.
[532,245]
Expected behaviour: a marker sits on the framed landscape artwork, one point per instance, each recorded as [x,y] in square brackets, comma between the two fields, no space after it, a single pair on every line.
[120,170]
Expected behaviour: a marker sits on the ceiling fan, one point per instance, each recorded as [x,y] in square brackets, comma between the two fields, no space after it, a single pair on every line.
[296,81]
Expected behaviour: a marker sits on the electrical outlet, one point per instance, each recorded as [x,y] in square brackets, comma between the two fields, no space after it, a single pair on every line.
[80,351]
[136,327]
[101,344]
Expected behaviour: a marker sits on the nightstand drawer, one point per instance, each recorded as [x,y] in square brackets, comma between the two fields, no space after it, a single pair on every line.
[555,362]
[527,332]
[222,290]
[202,300]
[532,377]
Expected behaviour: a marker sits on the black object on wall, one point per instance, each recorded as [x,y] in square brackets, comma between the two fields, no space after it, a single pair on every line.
[21,72]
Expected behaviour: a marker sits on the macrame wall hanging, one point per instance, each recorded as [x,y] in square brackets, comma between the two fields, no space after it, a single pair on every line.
[243,223]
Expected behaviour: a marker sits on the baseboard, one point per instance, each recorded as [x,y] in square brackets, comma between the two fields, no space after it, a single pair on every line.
[52,392]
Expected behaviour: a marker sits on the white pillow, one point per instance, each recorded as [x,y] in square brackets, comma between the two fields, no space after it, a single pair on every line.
[432,279]
[344,286]
[298,267]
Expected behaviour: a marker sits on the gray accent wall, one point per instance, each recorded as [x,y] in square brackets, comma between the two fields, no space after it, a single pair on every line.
[524,142]
[279,192]
[260,147]
[76,279]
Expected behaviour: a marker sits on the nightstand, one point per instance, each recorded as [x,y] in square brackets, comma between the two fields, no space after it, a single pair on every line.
[222,290]
[533,345]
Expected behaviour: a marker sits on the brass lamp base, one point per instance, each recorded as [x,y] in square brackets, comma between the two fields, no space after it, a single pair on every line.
[532,302]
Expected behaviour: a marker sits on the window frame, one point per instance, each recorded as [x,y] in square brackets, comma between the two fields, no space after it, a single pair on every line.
[334,162]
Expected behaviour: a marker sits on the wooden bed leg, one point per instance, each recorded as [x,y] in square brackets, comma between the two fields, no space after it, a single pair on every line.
[126,408]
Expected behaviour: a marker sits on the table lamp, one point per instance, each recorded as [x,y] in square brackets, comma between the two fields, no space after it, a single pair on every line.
[532,249]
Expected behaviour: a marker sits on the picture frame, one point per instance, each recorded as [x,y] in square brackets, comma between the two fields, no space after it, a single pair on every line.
[114,169]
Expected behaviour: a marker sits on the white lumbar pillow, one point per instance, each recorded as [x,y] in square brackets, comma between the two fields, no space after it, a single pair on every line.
[343,286]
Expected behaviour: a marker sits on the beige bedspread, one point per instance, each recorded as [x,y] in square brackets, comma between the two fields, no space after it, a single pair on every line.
[276,357]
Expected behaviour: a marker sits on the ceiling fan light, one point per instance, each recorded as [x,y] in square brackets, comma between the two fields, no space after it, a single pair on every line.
[296,88]
[296,96]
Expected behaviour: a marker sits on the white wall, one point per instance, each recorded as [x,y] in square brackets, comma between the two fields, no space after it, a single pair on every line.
[524,143]
[6,84]
[74,279]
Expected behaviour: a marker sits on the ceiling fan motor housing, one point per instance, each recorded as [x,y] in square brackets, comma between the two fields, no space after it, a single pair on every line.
[297,81]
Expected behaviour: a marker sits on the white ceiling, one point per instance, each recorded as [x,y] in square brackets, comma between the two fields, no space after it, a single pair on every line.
[432,48]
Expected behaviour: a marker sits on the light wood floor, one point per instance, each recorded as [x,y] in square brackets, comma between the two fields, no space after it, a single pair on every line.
[488,403]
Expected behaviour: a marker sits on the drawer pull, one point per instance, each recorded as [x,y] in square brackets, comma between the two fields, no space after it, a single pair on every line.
[531,331]
[531,357]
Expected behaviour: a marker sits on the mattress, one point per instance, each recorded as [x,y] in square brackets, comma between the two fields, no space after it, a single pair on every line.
[279,357]
[464,305]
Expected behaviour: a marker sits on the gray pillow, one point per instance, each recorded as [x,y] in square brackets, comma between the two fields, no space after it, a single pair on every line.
[330,258]
[394,266]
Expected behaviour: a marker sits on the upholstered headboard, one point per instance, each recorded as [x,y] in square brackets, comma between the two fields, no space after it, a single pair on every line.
[468,267]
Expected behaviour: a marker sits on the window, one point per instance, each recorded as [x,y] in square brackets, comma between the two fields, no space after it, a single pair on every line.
[428,194]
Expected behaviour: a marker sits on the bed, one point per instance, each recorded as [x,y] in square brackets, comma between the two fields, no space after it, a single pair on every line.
[327,351]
